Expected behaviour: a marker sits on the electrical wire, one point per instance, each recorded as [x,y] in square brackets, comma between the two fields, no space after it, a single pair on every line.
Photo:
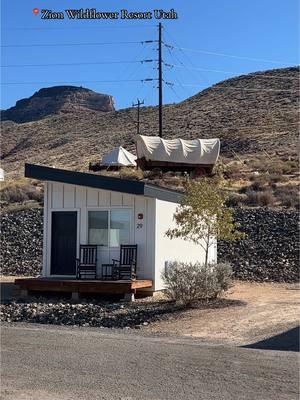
[213,53]
[75,63]
[236,72]
[69,44]
[62,82]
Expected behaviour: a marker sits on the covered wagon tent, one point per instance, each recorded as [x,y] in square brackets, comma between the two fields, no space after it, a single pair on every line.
[85,209]
[117,158]
[177,154]
[1,174]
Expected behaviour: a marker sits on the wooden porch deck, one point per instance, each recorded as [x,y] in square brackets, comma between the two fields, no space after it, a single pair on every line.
[77,286]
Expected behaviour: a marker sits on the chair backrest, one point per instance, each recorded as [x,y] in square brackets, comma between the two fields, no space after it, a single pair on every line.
[88,254]
[128,254]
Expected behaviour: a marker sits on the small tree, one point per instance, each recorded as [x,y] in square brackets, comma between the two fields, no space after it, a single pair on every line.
[202,215]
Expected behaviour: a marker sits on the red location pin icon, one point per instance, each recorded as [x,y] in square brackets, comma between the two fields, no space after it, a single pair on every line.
[35,11]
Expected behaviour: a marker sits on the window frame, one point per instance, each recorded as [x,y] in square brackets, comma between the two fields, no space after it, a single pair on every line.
[131,224]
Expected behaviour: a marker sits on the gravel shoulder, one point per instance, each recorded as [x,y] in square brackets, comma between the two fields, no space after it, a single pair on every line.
[264,310]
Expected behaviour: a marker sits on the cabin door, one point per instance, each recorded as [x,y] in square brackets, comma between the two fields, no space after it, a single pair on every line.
[63,242]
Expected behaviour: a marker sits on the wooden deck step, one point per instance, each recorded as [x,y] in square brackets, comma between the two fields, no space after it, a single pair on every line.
[82,285]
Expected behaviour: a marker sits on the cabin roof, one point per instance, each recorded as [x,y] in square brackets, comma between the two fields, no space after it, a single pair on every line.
[101,182]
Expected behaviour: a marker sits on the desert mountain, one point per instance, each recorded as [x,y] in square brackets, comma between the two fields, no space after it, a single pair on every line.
[254,115]
[57,99]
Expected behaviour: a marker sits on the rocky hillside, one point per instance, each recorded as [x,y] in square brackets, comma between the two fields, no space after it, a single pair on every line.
[55,100]
[254,115]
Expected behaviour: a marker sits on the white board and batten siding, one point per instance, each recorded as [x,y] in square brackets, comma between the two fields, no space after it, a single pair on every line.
[155,249]
[66,197]
[167,250]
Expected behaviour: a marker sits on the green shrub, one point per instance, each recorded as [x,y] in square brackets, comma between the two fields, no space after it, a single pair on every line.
[187,283]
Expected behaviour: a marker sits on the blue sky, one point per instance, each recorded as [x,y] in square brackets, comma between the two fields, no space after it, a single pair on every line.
[254,35]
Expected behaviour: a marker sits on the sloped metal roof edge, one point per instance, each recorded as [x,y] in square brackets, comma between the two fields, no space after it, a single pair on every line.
[100,182]
[162,193]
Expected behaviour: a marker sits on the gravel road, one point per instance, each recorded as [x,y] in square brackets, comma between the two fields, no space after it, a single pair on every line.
[46,362]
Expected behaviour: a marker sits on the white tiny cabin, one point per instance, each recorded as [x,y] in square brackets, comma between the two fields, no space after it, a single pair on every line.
[81,208]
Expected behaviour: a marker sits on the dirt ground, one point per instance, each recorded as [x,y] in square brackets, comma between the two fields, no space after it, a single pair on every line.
[261,311]
[255,311]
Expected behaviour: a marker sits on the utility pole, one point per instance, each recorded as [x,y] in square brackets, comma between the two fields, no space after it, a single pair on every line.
[138,104]
[160,80]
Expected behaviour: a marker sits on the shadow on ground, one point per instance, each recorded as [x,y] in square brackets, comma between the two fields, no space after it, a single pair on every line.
[286,341]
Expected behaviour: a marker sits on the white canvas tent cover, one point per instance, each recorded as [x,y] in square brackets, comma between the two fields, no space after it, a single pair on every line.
[119,157]
[1,174]
[197,151]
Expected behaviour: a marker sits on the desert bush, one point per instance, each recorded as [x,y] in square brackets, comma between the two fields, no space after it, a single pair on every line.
[263,199]
[292,165]
[187,283]
[224,273]
[131,173]
[288,196]
[20,193]
[236,199]
[257,185]
[282,167]
[155,173]
[275,178]
[233,171]
[275,166]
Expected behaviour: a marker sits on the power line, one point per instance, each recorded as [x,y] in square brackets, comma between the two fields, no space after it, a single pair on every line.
[70,44]
[75,63]
[187,57]
[213,53]
[235,72]
[63,82]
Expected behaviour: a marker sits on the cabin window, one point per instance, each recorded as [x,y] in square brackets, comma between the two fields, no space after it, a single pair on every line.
[119,227]
[98,227]
[109,228]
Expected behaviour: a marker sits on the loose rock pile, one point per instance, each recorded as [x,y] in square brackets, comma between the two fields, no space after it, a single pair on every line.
[270,252]
[110,315]
[21,242]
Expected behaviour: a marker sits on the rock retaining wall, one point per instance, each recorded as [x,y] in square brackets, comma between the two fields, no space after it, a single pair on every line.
[21,242]
[268,253]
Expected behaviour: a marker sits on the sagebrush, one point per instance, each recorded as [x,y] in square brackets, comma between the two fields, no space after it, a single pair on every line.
[187,283]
